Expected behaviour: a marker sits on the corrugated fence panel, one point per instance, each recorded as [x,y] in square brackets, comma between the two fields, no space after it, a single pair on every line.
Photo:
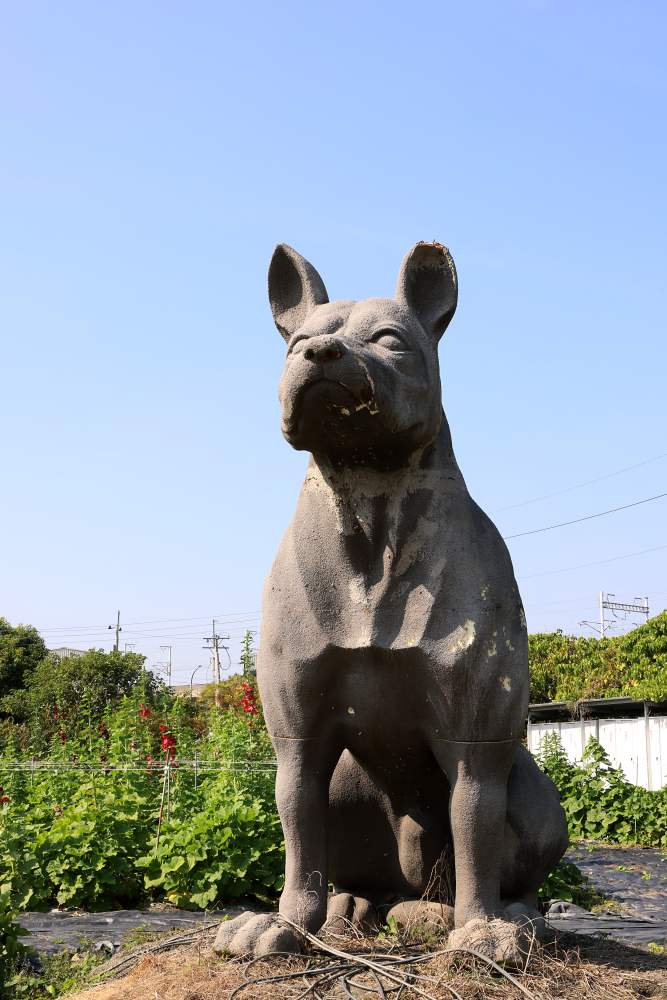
[637,746]
[658,737]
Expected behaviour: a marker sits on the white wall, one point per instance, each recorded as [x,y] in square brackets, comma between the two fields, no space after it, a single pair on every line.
[637,746]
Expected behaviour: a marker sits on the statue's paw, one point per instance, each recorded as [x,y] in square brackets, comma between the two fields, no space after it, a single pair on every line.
[503,941]
[527,917]
[422,918]
[256,934]
[345,909]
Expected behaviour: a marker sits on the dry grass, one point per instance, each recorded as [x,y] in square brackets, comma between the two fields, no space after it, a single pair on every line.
[566,969]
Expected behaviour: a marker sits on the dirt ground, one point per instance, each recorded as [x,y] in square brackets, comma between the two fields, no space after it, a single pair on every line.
[568,968]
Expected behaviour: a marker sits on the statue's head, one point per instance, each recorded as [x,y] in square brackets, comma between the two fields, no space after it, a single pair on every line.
[361,382]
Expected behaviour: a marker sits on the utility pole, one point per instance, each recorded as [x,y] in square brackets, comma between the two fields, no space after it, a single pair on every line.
[118,631]
[214,649]
[639,606]
[168,665]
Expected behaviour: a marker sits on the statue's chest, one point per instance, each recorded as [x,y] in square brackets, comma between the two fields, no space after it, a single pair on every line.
[372,569]
[386,599]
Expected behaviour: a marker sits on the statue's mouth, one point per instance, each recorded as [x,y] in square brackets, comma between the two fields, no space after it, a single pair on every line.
[328,399]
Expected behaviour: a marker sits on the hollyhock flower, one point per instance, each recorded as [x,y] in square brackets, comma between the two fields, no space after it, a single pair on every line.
[144,713]
[249,699]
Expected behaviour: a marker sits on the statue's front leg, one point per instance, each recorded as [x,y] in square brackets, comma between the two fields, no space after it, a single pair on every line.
[302,794]
[305,768]
[478,775]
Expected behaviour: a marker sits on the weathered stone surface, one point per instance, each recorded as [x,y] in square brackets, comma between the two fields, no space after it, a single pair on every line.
[393,659]
[415,914]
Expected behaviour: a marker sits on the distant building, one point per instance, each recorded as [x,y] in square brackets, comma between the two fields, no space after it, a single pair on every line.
[62,652]
[185,691]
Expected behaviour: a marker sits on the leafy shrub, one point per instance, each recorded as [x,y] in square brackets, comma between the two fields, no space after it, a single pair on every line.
[11,947]
[598,801]
[568,883]
[58,975]
[75,837]
[88,855]
[80,853]
[231,847]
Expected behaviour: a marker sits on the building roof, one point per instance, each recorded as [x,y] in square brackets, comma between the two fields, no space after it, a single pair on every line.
[591,708]
[62,651]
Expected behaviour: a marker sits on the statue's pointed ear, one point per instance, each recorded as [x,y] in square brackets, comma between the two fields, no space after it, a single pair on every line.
[427,284]
[295,288]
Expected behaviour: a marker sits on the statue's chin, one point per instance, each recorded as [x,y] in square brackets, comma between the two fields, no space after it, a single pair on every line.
[325,413]
[329,420]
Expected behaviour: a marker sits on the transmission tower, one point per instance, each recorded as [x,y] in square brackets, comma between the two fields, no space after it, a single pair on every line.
[639,606]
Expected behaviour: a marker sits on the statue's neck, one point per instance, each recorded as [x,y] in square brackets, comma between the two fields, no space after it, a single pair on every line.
[392,473]
[371,510]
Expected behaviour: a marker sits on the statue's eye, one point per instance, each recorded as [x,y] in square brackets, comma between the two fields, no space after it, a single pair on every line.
[388,339]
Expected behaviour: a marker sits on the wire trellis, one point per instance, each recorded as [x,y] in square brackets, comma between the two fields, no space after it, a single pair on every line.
[264,766]
[166,771]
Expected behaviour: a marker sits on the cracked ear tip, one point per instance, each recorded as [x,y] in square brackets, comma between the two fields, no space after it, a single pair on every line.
[428,284]
[431,248]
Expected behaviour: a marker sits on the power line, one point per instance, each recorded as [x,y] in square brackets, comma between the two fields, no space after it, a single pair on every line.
[230,618]
[578,486]
[598,562]
[588,517]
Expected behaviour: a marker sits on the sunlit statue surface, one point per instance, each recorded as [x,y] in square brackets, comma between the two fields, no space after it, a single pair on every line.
[393,661]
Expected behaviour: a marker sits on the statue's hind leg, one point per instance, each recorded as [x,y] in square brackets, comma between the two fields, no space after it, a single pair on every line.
[363,850]
[536,833]
[383,852]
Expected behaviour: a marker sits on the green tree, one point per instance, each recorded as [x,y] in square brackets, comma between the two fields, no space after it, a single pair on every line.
[247,655]
[21,650]
[67,694]
[229,694]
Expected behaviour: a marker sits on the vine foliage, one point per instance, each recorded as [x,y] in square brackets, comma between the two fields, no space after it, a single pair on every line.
[598,801]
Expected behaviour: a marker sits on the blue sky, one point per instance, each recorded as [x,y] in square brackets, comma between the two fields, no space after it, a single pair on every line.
[153,154]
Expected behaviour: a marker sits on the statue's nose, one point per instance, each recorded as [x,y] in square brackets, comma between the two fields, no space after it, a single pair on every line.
[324,349]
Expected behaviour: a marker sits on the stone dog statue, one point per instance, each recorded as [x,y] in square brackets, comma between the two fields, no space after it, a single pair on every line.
[393,660]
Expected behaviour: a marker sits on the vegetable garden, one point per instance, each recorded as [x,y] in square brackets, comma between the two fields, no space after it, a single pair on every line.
[126,796]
